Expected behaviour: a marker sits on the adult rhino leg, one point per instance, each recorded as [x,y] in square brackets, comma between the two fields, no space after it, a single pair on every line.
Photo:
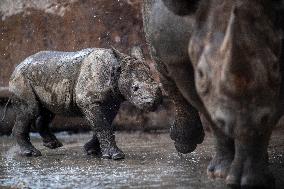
[93,146]
[101,125]
[219,166]
[187,130]
[26,114]
[42,124]
[249,168]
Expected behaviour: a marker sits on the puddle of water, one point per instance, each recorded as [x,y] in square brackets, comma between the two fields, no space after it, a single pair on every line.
[151,162]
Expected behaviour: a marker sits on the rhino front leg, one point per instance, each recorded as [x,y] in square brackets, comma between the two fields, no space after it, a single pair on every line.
[103,130]
[108,145]
[42,124]
[219,166]
[187,130]
[250,165]
[93,146]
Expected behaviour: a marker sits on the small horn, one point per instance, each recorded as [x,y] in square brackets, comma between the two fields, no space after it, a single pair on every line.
[137,52]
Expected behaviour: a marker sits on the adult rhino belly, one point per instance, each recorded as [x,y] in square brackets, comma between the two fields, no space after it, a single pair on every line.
[167,34]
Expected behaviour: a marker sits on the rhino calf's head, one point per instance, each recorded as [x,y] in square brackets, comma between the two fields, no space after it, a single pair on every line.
[136,83]
[236,67]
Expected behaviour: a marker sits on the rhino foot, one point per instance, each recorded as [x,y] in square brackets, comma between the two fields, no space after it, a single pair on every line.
[30,151]
[219,166]
[186,144]
[92,147]
[52,144]
[241,175]
[187,133]
[185,148]
[112,153]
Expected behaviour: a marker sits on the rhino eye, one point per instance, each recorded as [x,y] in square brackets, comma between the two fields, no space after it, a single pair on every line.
[200,73]
[202,81]
[135,88]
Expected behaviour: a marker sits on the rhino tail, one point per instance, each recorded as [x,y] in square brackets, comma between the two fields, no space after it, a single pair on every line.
[5,109]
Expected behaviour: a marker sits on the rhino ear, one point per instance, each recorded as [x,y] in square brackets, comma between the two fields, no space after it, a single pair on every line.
[137,52]
[181,7]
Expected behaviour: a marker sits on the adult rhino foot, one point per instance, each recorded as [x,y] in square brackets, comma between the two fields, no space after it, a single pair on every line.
[241,175]
[92,147]
[185,148]
[52,144]
[112,153]
[30,151]
[219,166]
[186,140]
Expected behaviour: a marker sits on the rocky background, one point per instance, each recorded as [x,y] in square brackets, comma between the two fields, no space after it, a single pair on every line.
[29,26]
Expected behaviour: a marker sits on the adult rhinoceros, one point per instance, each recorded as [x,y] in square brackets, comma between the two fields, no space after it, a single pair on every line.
[223,57]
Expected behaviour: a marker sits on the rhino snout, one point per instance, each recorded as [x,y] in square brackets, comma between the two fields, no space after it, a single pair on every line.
[156,101]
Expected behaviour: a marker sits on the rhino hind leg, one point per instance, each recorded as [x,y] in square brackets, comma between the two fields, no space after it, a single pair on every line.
[42,124]
[92,147]
[219,166]
[26,115]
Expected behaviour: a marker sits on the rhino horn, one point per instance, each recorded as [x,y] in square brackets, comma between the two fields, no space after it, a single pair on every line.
[237,73]
[137,52]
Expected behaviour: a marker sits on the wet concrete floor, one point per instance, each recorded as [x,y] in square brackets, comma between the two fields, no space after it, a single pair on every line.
[151,162]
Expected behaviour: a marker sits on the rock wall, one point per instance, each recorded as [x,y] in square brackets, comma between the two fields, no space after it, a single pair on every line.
[29,26]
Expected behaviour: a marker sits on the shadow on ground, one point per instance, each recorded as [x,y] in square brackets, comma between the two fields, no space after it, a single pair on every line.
[151,162]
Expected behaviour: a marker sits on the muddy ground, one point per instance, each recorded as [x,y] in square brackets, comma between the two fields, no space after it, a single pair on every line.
[151,162]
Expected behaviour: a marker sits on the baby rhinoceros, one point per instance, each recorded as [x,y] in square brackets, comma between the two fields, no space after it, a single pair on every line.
[91,83]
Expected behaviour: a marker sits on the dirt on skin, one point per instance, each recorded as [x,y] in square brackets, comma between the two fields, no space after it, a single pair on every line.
[151,162]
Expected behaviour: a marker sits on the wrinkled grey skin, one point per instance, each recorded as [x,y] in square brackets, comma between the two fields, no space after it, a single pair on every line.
[91,83]
[234,49]
[168,47]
